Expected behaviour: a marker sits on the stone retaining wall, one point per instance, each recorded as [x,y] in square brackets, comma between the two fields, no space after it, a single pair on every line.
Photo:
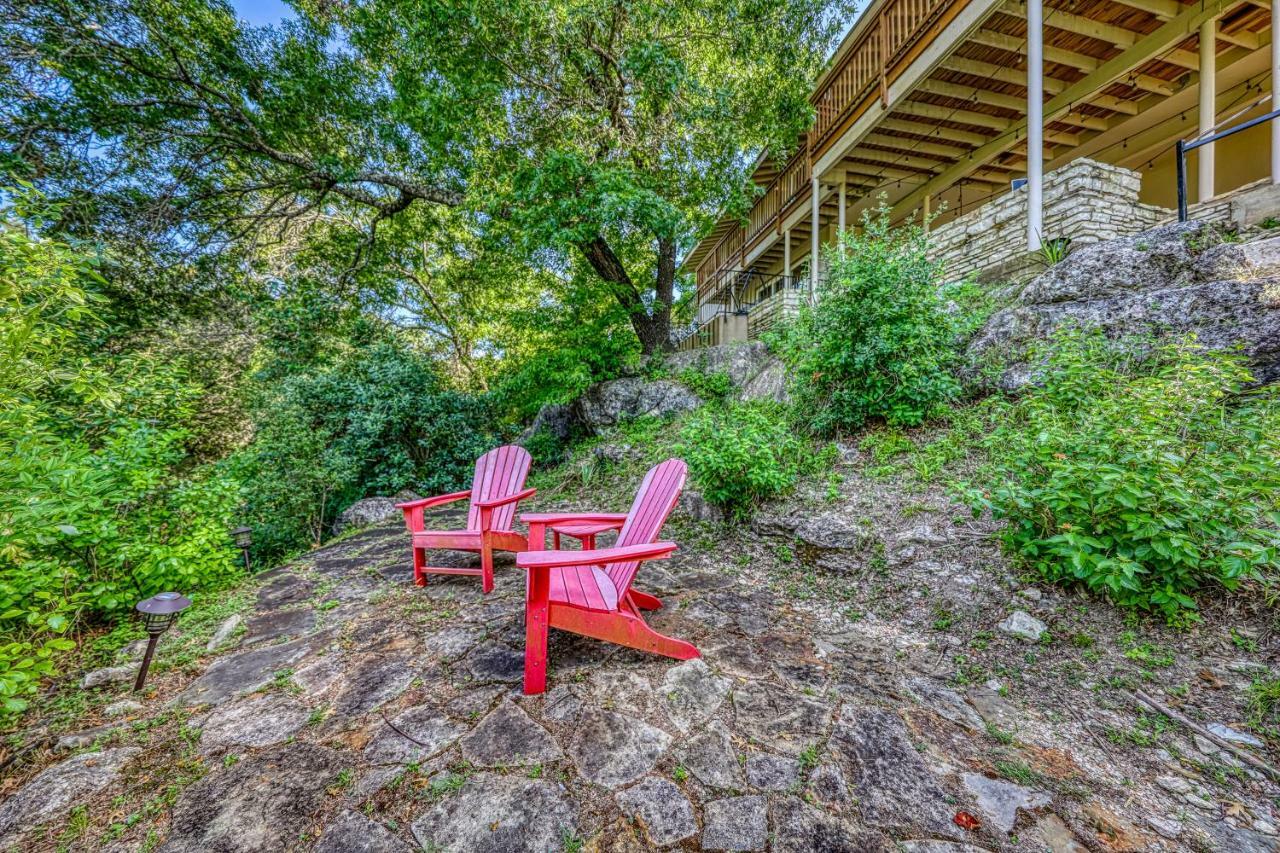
[1085,200]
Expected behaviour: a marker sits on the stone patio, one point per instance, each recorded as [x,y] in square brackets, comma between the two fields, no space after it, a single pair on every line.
[359,712]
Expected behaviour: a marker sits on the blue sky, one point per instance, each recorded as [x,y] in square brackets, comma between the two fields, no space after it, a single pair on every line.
[259,12]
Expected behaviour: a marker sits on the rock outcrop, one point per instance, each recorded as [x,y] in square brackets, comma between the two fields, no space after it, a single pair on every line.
[367,511]
[1176,278]
[754,372]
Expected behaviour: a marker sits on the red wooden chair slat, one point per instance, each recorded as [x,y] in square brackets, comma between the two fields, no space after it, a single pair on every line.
[589,592]
[496,488]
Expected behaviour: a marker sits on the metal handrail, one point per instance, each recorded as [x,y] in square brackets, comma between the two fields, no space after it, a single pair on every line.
[1181,147]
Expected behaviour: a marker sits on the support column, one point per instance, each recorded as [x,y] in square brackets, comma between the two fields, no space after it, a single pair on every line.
[1208,109]
[1035,125]
[840,232]
[924,220]
[1275,93]
[816,218]
[786,250]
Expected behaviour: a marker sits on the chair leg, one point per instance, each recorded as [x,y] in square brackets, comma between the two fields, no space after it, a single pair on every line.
[537,593]
[589,542]
[644,600]
[419,563]
[486,569]
[661,644]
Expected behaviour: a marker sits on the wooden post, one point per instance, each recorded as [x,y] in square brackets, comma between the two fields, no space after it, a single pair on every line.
[1208,109]
[840,226]
[1035,125]
[924,222]
[786,248]
[816,217]
[1275,93]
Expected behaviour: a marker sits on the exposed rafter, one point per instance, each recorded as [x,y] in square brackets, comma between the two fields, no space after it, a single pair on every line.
[931,111]
[1008,102]
[1166,36]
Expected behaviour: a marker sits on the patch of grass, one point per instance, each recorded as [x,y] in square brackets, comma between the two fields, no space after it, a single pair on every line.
[809,758]
[1150,655]
[1264,702]
[883,445]
[1146,731]
[1019,772]
[999,735]
[1243,641]
[342,782]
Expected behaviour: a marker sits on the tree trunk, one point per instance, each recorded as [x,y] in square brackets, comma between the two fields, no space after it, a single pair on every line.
[652,328]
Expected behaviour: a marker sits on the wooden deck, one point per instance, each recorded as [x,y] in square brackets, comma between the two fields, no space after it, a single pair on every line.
[927,99]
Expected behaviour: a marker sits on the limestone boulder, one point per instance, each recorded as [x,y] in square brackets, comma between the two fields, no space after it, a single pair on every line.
[493,813]
[260,803]
[1178,278]
[743,362]
[607,404]
[57,789]
[365,512]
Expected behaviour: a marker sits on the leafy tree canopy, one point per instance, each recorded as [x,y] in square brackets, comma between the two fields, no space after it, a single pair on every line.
[596,135]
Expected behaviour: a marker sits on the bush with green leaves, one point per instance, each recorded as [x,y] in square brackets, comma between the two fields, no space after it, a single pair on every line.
[880,343]
[373,421]
[742,454]
[1146,472]
[99,506]
[712,386]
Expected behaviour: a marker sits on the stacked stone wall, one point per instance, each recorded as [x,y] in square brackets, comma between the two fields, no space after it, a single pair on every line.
[1085,200]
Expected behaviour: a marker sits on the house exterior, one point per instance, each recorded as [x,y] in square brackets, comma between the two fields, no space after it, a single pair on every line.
[926,104]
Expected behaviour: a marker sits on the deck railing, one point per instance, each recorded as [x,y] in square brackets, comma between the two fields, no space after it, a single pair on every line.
[864,70]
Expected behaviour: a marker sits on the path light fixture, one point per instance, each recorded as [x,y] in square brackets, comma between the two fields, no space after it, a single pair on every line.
[159,612]
[244,538]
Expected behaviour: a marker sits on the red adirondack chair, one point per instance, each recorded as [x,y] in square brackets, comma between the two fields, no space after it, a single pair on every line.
[496,489]
[589,592]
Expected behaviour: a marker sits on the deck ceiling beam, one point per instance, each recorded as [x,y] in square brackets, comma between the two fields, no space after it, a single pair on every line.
[1052,85]
[932,111]
[1079,25]
[937,149]
[933,131]
[1162,9]
[912,147]
[1166,36]
[1008,102]
[1013,44]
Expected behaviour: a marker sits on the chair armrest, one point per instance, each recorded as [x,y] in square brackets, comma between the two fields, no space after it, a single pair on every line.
[600,556]
[503,501]
[565,517]
[413,509]
[425,503]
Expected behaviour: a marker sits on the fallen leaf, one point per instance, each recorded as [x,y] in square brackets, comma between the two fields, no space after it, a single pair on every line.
[1237,810]
[964,820]
[1207,676]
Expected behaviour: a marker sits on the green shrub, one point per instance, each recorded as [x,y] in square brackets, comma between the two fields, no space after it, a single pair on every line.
[375,421]
[880,343]
[98,506]
[740,455]
[712,386]
[1148,475]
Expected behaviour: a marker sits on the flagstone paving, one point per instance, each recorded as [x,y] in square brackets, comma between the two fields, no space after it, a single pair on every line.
[392,719]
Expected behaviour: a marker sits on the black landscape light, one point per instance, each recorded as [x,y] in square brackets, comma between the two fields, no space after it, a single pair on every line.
[159,612]
[244,538]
